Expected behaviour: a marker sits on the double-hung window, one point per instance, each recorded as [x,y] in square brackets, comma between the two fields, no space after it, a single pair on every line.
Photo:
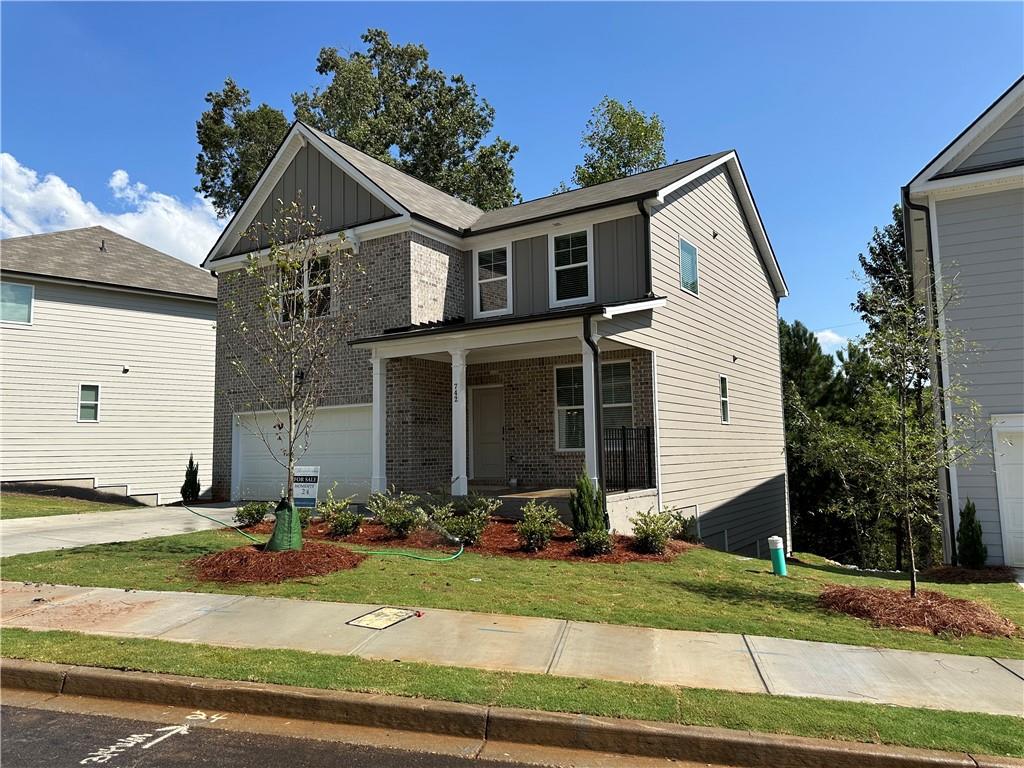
[723,397]
[492,286]
[16,303]
[616,397]
[311,295]
[572,274]
[89,402]
[688,266]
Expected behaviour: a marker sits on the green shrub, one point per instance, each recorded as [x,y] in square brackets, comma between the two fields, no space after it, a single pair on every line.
[305,516]
[190,488]
[684,527]
[585,505]
[400,513]
[252,513]
[468,528]
[651,531]
[463,521]
[596,542]
[538,525]
[970,549]
[475,503]
[340,519]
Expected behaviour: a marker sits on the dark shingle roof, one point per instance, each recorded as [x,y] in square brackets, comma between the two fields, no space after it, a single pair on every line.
[75,254]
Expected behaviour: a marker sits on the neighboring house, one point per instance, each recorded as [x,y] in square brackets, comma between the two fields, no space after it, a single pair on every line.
[964,216]
[107,364]
[489,334]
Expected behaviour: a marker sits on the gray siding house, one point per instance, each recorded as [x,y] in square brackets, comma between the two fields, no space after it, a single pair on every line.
[965,233]
[106,364]
[628,330]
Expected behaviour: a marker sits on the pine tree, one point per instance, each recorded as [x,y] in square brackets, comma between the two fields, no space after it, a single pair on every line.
[190,488]
[970,548]
[585,506]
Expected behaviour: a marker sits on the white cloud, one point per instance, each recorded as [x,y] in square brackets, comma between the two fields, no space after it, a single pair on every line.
[830,340]
[30,205]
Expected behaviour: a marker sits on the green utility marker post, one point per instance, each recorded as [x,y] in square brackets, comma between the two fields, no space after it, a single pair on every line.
[778,555]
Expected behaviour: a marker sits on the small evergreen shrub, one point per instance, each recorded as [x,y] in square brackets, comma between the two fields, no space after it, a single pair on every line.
[252,513]
[538,525]
[651,531]
[477,503]
[305,516]
[684,527]
[462,520]
[970,549]
[469,527]
[585,505]
[190,488]
[595,542]
[400,513]
[340,519]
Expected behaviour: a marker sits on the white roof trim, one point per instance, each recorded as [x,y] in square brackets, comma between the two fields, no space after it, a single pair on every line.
[637,306]
[298,136]
[732,163]
[990,121]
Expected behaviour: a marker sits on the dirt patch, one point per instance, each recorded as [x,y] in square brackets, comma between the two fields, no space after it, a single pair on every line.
[252,564]
[933,612]
[949,574]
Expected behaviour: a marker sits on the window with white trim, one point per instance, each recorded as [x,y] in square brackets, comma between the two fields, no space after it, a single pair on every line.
[723,397]
[616,397]
[688,266]
[16,303]
[313,297]
[571,277]
[493,285]
[89,402]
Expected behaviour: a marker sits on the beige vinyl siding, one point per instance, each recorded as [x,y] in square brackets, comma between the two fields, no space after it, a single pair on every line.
[150,418]
[1004,146]
[735,472]
[981,251]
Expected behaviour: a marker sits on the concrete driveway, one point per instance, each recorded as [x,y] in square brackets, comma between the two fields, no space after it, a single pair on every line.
[37,534]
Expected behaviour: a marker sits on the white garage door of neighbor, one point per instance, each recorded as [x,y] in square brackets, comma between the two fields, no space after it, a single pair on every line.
[1009,456]
[339,444]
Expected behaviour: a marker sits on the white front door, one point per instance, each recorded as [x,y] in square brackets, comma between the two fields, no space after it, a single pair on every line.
[1008,451]
[489,434]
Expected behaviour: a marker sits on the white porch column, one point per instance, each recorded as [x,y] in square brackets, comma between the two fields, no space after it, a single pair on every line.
[378,417]
[590,438]
[460,479]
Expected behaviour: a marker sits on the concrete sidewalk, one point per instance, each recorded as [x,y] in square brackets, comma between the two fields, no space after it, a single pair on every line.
[37,534]
[744,663]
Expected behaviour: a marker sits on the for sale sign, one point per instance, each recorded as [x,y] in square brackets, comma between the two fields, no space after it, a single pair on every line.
[306,481]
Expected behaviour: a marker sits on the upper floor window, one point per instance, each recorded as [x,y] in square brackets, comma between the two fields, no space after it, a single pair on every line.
[313,297]
[89,402]
[492,285]
[16,303]
[687,266]
[572,274]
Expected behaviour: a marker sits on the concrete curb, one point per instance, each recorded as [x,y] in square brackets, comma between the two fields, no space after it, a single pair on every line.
[495,724]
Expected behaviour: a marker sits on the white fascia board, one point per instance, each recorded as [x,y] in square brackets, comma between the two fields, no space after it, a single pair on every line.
[637,306]
[968,184]
[664,192]
[570,222]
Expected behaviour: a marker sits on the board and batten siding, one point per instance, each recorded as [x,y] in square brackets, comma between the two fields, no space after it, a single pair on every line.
[981,252]
[734,473]
[151,418]
[1004,146]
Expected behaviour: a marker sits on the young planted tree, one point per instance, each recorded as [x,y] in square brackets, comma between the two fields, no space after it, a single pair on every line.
[289,314]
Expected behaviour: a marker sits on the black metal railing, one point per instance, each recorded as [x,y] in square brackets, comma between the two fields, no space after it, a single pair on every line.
[628,458]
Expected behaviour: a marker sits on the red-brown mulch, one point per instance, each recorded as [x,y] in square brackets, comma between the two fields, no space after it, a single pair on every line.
[253,564]
[951,574]
[933,612]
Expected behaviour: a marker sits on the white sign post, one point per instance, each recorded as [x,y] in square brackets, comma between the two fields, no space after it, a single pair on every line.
[306,481]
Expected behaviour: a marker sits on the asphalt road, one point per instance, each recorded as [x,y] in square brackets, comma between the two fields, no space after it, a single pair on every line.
[36,738]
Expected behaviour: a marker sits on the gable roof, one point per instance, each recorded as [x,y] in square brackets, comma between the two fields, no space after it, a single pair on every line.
[75,255]
[983,126]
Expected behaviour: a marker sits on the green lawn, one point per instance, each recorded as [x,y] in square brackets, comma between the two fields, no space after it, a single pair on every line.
[978,734]
[15,505]
[700,590]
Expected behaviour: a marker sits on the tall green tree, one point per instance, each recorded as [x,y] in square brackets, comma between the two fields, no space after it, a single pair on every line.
[619,140]
[387,101]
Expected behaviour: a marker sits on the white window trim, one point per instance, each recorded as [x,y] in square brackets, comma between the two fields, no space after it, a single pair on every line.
[31,303]
[696,264]
[552,284]
[508,281]
[304,290]
[728,395]
[554,381]
[78,414]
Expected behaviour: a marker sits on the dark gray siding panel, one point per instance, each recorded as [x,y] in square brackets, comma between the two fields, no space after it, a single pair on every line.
[619,256]
[1004,146]
[335,196]
[530,276]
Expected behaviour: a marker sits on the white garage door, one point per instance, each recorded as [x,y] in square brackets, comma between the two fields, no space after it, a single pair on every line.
[1009,458]
[339,445]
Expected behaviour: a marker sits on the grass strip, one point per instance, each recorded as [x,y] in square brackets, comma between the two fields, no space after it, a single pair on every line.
[819,718]
[14,506]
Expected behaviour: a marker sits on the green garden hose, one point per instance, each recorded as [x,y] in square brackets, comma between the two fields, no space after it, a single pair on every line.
[226,525]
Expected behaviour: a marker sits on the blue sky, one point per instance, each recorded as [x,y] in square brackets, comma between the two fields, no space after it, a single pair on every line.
[816,98]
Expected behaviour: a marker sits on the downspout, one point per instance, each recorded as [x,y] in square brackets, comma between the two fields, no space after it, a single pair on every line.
[648,280]
[588,339]
[907,205]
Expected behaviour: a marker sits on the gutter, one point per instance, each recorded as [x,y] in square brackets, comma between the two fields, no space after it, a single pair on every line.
[588,338]
[907,206]
[648,279]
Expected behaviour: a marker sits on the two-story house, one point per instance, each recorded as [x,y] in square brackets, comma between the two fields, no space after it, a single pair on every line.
[490,335]
[964,223]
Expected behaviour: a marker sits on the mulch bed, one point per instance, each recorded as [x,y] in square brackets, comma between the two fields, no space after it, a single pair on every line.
[950,574]
[253,564]
[933,612]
